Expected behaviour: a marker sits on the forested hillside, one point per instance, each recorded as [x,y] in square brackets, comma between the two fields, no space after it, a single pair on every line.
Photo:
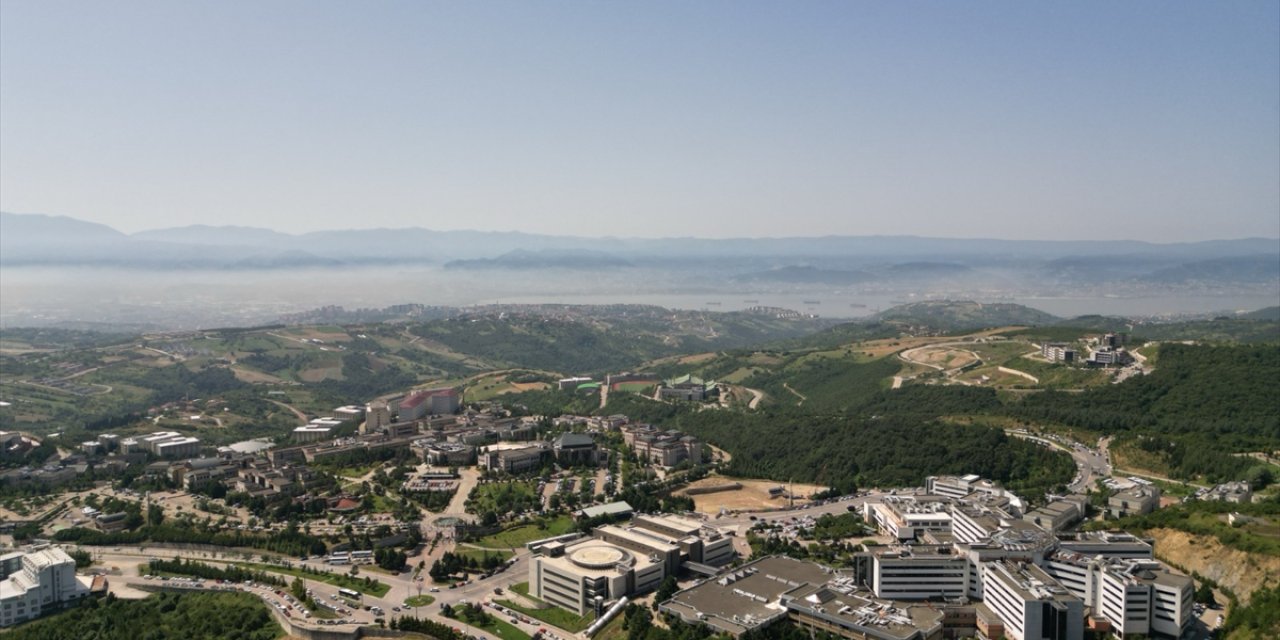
[1201,404]
[847,452]
[192,616]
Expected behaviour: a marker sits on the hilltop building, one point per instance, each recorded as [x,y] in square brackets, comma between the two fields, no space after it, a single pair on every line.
[663,448]
[1138,500]
[36,581]
[1058,352]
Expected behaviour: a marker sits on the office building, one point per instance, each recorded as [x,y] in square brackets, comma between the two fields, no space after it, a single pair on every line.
[45,581]
[1134,501]
[1031,605]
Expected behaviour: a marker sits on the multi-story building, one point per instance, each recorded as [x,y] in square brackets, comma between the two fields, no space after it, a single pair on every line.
[513,458]
[45,581]
[311,433]
[663,448]
[443,401]
[623,560]
[907,517]
[412,407]
[168,444]
[569,384]
[376,416]
[1031,604]
[1229,492]
[1058,352]
[1137,500]
[1057,515]
[814,597]
[585,574]
[575,449]
[1130,595]
[920,573]
[443,454]
[1107,356]
[350,414]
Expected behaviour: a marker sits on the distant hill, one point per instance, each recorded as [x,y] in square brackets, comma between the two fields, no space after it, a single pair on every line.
[1269,313]
[51,240]
[543,260]
[203,234]
[927,269]
[949,315]
[807,275]
[1255,268]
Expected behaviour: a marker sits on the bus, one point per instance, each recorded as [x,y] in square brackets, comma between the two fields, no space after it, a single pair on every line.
[349,593]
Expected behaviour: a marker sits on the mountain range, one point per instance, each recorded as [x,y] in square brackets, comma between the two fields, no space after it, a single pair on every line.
[41,240]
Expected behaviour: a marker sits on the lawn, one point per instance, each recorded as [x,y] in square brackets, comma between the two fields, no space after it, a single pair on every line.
[497,627]
[481,554]
[554,616]
[377,588]
[523,534]
[418,601]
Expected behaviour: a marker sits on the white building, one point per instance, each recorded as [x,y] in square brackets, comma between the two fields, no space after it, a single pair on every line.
[46,580]
[623,560]
[908,517]
[907,573]
[312,433]
[1032,605]
[180,447]
[1134,596]
[577,576]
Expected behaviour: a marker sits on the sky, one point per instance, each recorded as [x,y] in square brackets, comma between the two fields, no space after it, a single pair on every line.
[1157,121]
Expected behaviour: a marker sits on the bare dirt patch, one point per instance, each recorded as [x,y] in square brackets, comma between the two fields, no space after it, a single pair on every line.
[255,377]
[530,386]
[753,496]
[697,358]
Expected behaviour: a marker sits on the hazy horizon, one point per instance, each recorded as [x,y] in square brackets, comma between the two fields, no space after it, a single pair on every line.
[1143,121]
[244,227]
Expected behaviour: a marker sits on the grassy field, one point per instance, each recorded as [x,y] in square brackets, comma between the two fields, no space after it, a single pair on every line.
[481,554]
[418,601]
[378,588]
[498,627]
[525,533]
[551,615]
[634,387]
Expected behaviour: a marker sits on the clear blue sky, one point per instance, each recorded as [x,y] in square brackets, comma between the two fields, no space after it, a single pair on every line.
[1146,120]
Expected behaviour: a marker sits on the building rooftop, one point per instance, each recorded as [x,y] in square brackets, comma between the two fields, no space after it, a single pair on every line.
[613,508]
[1029,581]
[567,440]
[595,558]
[746,597]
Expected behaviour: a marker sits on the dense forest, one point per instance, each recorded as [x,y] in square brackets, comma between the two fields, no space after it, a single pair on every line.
[192,616]
[1200,405]
[846,452]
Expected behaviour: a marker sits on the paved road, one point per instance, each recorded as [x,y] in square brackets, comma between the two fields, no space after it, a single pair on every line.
[1090,463]
[402,585]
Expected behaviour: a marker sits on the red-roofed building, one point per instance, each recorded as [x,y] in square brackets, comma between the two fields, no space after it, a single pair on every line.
[413,406]
[437,402]
[444,401]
